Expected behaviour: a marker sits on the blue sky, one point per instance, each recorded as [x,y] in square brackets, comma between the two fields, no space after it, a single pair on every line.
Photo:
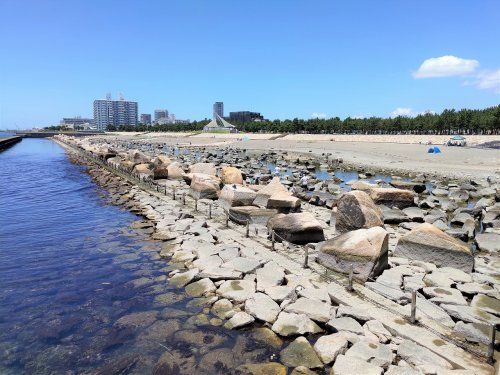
[284,59]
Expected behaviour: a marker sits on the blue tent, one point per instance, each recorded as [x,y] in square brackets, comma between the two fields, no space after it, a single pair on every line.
[437,150]
[430,150]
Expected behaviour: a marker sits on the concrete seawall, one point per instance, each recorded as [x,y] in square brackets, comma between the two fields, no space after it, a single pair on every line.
[5,143]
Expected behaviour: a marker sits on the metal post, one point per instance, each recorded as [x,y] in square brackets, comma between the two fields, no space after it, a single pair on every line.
[306,257]
[210,210]
[351,274]
[491,345]
[413,317]
[184,199]
[273,240]
[196,204]
[173,193]
[227,219]
[247,234]
[165,189]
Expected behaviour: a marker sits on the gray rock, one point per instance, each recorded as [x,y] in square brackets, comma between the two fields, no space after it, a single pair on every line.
[200,288]
[328,347]
[289,324]
[314,309]
[218,273]
[297,228]
[345,324]
[489,242]
[354,366]
[356,210]
[237,290]
[300,353]
[417,355]
[366,250]
[262,307]
[376,354]
[429,244]
[442,295]
[240,319]
[241,264]
[485,303]
[389,292]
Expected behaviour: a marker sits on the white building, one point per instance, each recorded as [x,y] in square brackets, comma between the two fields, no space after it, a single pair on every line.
[114,112]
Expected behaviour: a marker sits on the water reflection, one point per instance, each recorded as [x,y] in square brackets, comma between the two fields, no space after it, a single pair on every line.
[82,292]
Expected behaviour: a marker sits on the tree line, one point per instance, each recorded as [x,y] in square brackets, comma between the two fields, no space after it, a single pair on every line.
[450,121]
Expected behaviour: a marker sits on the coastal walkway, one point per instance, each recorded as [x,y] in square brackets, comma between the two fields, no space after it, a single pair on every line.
[427,332]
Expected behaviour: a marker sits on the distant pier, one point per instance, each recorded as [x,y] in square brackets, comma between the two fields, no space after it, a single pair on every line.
[47,134]
[5,143]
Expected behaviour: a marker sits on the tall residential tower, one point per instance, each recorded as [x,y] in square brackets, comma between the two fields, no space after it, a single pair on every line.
[114,112]
[218,109]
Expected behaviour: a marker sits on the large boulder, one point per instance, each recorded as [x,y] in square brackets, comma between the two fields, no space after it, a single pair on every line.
[142,170]
[298,228]
[204,186]
[284,202]
[356,210]
[205,168]
[162,160]
[389,197]
[263,195]
[236,195]
[175,171]
[231,175]
[429,244]
[366,250]
[252,214]
[138,157]
[160,171]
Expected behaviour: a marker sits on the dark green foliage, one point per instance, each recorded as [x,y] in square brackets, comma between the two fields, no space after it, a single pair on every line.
[465,121]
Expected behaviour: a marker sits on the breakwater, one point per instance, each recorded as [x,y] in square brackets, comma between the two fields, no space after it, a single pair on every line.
[5,143]
[196,236]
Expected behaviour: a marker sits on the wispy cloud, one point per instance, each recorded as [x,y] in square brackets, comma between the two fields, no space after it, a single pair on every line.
[408,112]
[488,80]
[400,111]
[318,115]
[446,66]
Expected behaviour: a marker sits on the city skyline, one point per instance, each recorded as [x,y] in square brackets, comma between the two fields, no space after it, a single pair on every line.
[296,60]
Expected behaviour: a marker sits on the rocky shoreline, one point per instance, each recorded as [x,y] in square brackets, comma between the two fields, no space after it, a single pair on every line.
[396,236]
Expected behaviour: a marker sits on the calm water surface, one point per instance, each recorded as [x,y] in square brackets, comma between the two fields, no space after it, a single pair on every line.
[71,267]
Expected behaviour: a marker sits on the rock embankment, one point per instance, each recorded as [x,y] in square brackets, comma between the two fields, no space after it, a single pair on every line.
[242,282]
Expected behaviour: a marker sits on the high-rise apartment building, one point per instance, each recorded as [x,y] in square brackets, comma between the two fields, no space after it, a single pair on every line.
[114,112]
[218,109]
[160,114]
[145,118]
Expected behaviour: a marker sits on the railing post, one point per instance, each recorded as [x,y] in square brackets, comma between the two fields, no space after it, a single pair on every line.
[173,193]
[413,317]
[273,240]
[165,189]
[491,345]
[210,210]
[227,219]
[349,282]
[306,257]
[247,232]
[184,199]
[196,205]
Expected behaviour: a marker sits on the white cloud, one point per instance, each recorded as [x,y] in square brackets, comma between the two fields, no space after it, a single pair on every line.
[318,115]
[407,112]
[488,80]
[445,66]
